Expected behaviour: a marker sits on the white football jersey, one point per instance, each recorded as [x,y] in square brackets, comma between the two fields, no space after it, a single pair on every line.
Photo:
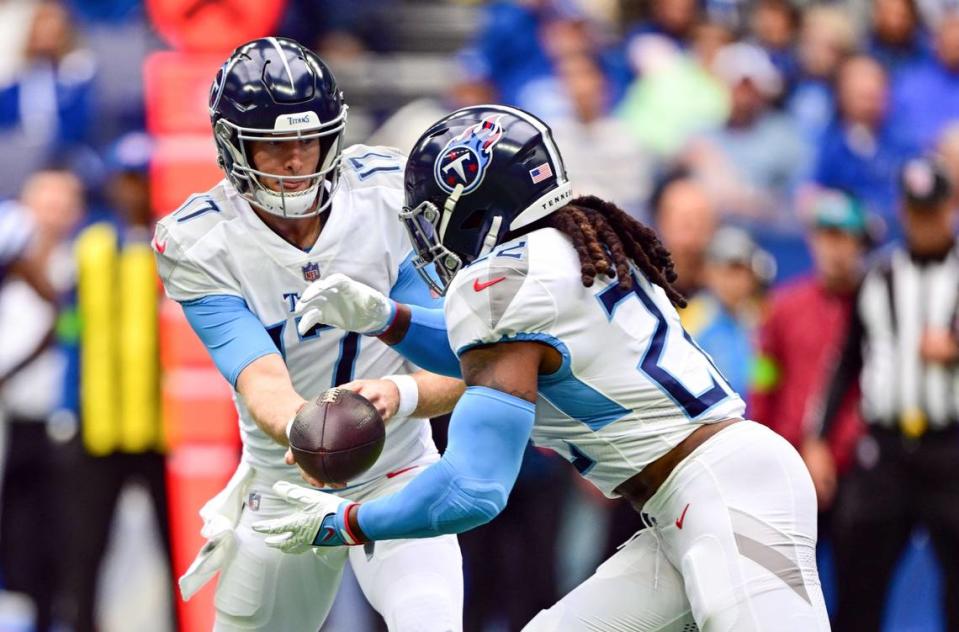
[216,245]
[632,384]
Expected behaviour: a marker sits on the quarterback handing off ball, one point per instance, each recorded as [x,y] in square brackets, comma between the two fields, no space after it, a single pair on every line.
[337,436]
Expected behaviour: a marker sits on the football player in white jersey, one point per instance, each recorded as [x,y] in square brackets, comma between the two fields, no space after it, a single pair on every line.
[293,208]
[561,312]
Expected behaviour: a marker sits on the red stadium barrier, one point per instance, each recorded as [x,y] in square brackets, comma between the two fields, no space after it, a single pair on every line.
[195,473]
[179,345]
[177,92]
[181,166]
[213,26]
[198,408]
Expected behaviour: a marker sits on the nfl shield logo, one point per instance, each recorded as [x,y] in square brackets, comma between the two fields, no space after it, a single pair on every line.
[253,501]
[311,271]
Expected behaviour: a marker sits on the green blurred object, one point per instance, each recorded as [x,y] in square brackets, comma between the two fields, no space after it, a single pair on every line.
[765,374]
[69,325]
[665,107]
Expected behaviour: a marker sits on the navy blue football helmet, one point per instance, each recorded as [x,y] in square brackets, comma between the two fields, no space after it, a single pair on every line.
[274,89]
[473,178]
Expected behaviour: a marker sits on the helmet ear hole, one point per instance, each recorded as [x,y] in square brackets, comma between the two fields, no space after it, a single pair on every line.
[474,220]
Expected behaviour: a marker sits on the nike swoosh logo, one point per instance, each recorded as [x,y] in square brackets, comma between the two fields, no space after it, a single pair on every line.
[159,245]
[398,472]
[479,287]
[682,518]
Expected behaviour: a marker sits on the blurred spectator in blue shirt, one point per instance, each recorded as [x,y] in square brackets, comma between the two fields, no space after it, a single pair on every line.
[773,25]
[896,39]
[723,319]
[564,36]
[46,109]
[826,38]
[507,48]
[519,44]
[861,151]
[752,164]
[926,98]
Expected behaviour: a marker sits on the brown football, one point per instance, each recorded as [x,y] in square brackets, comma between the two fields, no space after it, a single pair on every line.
[337,436]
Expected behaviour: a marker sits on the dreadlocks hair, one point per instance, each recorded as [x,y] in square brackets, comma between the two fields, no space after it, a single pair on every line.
[607,239]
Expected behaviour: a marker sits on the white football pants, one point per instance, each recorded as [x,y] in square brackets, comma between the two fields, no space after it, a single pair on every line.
[731,548]
[416,585]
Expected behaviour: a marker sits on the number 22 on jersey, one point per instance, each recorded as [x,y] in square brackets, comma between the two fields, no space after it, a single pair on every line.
[693,404]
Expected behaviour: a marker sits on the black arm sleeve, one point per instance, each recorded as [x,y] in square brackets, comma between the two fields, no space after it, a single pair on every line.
[846,372]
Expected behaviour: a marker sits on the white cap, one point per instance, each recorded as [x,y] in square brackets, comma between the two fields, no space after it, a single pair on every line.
[738,62]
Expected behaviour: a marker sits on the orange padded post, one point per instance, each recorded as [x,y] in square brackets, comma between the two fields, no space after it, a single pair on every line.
[198,408]
[181,166]
[177,92]
[179,345]
[195,473]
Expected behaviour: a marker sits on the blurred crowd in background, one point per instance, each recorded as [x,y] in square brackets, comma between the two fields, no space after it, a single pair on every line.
[767,141]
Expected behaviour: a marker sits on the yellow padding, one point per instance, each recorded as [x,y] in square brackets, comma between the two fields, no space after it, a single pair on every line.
[96,252]
[119,371]
[139,379]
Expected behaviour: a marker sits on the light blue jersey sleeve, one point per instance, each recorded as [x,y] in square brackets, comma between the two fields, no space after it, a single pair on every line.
[469,486]
[426,343]
[232,334]
[411,289]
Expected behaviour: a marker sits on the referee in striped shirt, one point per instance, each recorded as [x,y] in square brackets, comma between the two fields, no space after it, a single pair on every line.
[903,348]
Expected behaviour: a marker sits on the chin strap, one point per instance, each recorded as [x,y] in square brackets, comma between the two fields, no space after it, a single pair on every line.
[448,207]
[489,242]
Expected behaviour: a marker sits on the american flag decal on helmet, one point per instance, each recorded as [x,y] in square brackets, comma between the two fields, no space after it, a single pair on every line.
[540,173]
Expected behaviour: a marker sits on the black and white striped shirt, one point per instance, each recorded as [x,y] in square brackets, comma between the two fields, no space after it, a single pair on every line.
[901,297]
[16,229]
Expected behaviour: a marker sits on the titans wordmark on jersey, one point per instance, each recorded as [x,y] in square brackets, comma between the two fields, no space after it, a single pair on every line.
[216,246]
[632,385]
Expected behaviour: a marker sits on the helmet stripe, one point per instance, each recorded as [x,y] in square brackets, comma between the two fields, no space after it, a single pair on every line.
[286,64]
[227,69]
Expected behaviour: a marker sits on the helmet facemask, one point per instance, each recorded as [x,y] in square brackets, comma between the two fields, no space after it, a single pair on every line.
[233,145]
[426,225]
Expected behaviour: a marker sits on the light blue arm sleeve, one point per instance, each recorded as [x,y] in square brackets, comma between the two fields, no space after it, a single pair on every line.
[469,486]
[411,289]
[426,343]
[233,335]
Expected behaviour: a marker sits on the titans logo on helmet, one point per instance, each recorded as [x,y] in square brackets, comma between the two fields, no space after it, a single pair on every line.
[466,157]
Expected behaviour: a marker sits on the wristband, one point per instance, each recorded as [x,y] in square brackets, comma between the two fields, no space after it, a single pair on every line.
[409,394]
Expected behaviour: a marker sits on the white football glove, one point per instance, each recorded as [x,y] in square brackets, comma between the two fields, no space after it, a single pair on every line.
[297,532]
[341,302]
